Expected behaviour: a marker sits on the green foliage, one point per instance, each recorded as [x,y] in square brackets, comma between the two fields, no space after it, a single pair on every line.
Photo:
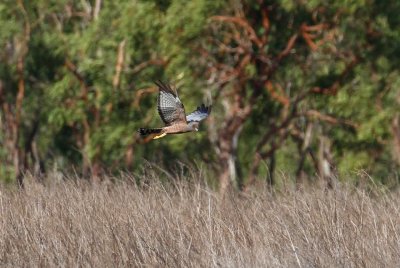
[83,114]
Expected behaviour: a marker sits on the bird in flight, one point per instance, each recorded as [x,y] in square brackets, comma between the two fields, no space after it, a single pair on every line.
[172,112]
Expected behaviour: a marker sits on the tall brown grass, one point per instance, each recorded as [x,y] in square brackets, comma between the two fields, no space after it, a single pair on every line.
[71,223]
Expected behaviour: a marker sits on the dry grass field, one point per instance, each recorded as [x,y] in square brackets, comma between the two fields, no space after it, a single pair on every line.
[185,224]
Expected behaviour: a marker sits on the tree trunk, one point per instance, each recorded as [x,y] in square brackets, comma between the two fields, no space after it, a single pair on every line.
[325,162]
[228,169]
[396,137]
[304,150]
[271,173]
[227,151]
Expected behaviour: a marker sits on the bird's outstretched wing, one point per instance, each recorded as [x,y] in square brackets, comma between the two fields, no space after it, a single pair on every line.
[199,114]
[169,106]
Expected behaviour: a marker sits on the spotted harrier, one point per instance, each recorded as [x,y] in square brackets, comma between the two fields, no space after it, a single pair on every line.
[172,112]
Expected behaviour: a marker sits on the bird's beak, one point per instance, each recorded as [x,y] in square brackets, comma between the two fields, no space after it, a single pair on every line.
[196,129]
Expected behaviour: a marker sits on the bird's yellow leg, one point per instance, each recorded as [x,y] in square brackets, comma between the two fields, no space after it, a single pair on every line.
[159,136]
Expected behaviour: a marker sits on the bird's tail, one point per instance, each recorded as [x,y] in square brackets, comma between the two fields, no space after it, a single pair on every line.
[152,133]
[148,131]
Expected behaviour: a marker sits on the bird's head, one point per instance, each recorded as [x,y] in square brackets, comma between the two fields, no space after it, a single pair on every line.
[194,126]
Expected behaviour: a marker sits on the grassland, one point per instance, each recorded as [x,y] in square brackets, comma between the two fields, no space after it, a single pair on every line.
[71,223]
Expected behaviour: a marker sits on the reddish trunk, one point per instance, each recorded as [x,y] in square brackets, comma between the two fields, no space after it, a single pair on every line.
[396,137]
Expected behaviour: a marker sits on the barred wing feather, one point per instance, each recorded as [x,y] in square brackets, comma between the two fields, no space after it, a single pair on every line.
[170,107]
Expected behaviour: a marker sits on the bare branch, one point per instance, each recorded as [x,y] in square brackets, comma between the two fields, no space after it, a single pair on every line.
[308,36]
[141,92]
[284,100]
[289,47]
[119,64]
[333,89]
[74,70]
[96,9]
[243,23]
[330,119]
[145,64]
[266,25]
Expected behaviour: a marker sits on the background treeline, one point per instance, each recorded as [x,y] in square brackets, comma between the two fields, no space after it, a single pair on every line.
[310,88]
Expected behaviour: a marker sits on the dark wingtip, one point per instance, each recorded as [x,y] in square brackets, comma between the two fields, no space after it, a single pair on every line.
[159,83]
[165,87]
[205,109]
